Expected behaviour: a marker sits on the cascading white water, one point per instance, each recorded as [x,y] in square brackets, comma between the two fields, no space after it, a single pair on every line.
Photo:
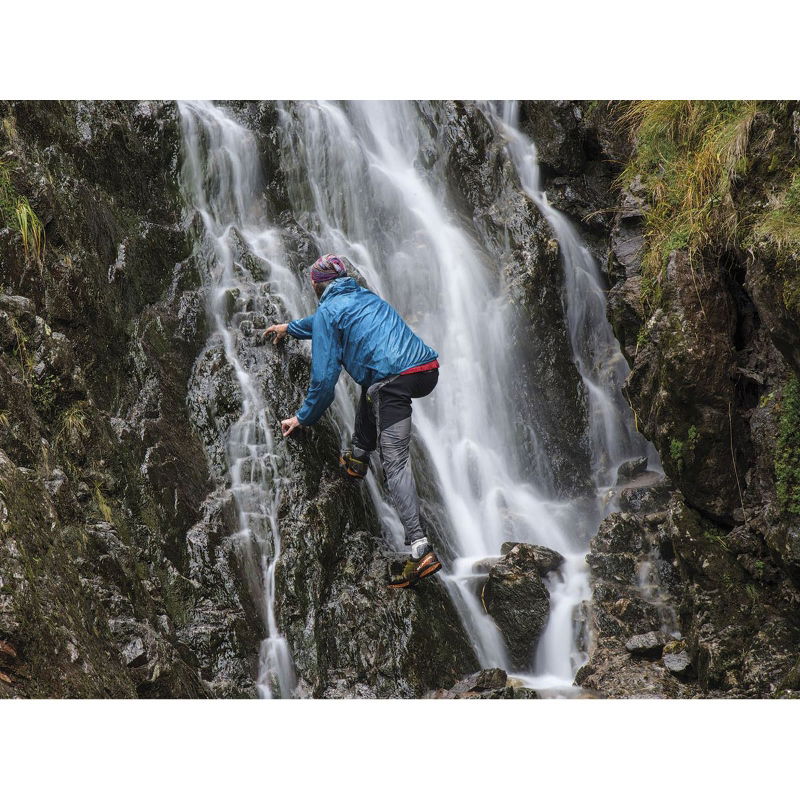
[221,178]
[359,182]
[359,169]
[596,352]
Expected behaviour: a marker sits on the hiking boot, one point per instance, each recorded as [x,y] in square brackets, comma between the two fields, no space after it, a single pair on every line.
[415,570]
[354,467]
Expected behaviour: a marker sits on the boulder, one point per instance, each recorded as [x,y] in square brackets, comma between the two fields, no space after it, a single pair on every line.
[488,684]
[646,645]
[535,556]
[630,469]
[678,663]
[494,678]
[518,601]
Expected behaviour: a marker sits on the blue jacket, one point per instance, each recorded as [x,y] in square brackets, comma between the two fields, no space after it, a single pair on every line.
[353,328]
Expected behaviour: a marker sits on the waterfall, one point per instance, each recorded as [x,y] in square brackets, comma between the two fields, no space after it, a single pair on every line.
[598,358]
[596,353]
[221,179]
[362,179]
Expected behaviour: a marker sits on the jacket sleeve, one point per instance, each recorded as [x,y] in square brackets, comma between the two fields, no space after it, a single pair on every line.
[301,328]
[326,364]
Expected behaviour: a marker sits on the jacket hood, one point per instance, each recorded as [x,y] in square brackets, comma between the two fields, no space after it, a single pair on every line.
[339,286]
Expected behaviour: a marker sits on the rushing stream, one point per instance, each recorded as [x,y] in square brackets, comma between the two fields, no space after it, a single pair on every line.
[365,181]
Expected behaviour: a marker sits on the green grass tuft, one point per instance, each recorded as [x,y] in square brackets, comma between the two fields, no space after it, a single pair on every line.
[676,448]
[16,213]
[781,223]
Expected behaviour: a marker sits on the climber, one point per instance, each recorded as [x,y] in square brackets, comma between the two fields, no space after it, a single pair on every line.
[355,329]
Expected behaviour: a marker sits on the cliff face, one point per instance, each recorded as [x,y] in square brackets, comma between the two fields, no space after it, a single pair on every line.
[703,299]
[118,574]
[102,473]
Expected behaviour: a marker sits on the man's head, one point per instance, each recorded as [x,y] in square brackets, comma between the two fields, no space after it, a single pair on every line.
[327,268]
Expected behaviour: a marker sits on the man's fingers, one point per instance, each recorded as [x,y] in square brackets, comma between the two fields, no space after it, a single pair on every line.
[288,425]
[277,333]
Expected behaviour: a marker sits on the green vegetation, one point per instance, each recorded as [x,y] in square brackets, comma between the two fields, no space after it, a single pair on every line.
[102,504]
[787,449]
[642,337]
[713,537]
[779,226]
[73,421]
[688,153]
[73,424]
[676,448]
[679,450]
[16,213]
[21,349]
[44,393]
[781,223]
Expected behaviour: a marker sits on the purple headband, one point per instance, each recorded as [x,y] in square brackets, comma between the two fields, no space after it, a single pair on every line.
[328,267]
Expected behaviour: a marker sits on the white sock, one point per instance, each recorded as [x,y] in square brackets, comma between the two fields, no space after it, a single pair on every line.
[419,547]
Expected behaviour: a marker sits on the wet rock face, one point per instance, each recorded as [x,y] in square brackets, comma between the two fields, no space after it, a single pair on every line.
[118,452]
[675,612]
[633,614]
[103,475]
[118,574]
[711,353]
[743,634]
[580,154]
[518,601]
[555,127]
[352,637]
[691,425]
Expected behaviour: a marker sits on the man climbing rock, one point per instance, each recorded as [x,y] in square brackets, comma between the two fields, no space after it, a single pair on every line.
[355,329]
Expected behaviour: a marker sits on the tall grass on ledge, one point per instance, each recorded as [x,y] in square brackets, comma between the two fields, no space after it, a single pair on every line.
[17,214]
[687,153]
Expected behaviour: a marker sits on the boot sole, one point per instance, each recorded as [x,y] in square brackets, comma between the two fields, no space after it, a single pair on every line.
[431,570]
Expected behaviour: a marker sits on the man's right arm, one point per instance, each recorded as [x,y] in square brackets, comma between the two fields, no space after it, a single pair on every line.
[301,328]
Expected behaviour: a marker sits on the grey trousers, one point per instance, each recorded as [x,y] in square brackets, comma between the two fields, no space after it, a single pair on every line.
[383,418]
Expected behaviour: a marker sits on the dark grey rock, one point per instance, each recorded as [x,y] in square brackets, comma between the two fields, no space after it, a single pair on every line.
[646,645]
[519,603]
[494,678]
[524,693]
[630,469]
[536,556]
[679,664]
